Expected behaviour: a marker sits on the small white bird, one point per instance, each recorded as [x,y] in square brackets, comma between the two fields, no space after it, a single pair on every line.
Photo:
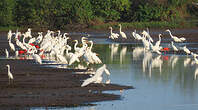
[176,39]
[146,34]
[37,58]
[113,35]
[10,76]
[136,35]
[7,54]
[186,50]
[123,35]
[173,46]
[97,78]
[11,45]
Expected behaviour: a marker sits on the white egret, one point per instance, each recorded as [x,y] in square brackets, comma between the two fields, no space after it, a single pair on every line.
[37,58]
[97,78]
[173,46]
[146,34]
[11,45]
[39,38]
[146,43]
[136,35]
[10,76]
[7,54]
[74,58]
[123,35]
[186,50]
[159,41]
[9,35]
[113,35]
[176,39]
[32,40]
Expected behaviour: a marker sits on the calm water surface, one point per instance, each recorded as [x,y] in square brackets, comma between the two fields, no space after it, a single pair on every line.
[165,82]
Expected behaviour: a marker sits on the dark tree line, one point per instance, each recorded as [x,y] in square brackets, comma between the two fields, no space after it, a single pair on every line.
[57,13]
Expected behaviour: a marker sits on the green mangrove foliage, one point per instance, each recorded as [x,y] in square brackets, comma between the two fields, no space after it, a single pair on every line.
[58,13]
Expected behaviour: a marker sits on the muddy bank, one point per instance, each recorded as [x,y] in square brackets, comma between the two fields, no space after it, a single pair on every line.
[37,86]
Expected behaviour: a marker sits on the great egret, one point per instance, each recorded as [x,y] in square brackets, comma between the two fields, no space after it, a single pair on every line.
[146,34]
[10,76]
[97,78]
[186,50]
[159,41]
[11,45]
[113,35]
[123,35]
[146,43]
[74,58]
[176,39]
[32,40]
[37,58]
[9,35]
[173,46]
[7,54]
[39,38]
[136,35]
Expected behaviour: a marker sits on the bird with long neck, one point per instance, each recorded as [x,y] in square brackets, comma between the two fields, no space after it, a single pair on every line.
[176,39]
[173,46]
[10,76]
[11,45]
[113,35]
[97,78]
[159,41]
[123,35]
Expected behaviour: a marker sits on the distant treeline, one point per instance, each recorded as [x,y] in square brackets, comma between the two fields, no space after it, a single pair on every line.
[57,13]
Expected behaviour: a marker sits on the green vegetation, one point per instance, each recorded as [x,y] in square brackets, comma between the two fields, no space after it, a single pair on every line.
[58,14]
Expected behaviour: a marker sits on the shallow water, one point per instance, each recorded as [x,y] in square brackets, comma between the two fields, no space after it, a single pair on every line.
[165,82]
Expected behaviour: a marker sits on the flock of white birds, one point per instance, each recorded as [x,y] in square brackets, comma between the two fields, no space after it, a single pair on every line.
[148,42]
[57,48]
[55,45]
[149,46]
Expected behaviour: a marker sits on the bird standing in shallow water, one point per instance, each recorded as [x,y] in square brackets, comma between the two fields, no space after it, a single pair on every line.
[123,35]
[10,76]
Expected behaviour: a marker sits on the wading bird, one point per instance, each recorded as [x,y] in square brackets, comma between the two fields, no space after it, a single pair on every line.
[176,39]
[10,76]
[97,78]
[123,35]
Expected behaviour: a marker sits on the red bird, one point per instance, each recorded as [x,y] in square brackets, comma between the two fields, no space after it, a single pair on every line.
[165,49]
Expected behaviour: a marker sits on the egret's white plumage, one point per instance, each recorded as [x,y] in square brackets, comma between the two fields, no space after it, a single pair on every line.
[176,39]
[37,58]
[97,78]
[11,45]
[10,76]
[113,35]
[136,35]
[123,35]
[146,34]
[173,46]
[186,50]
[7,53]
